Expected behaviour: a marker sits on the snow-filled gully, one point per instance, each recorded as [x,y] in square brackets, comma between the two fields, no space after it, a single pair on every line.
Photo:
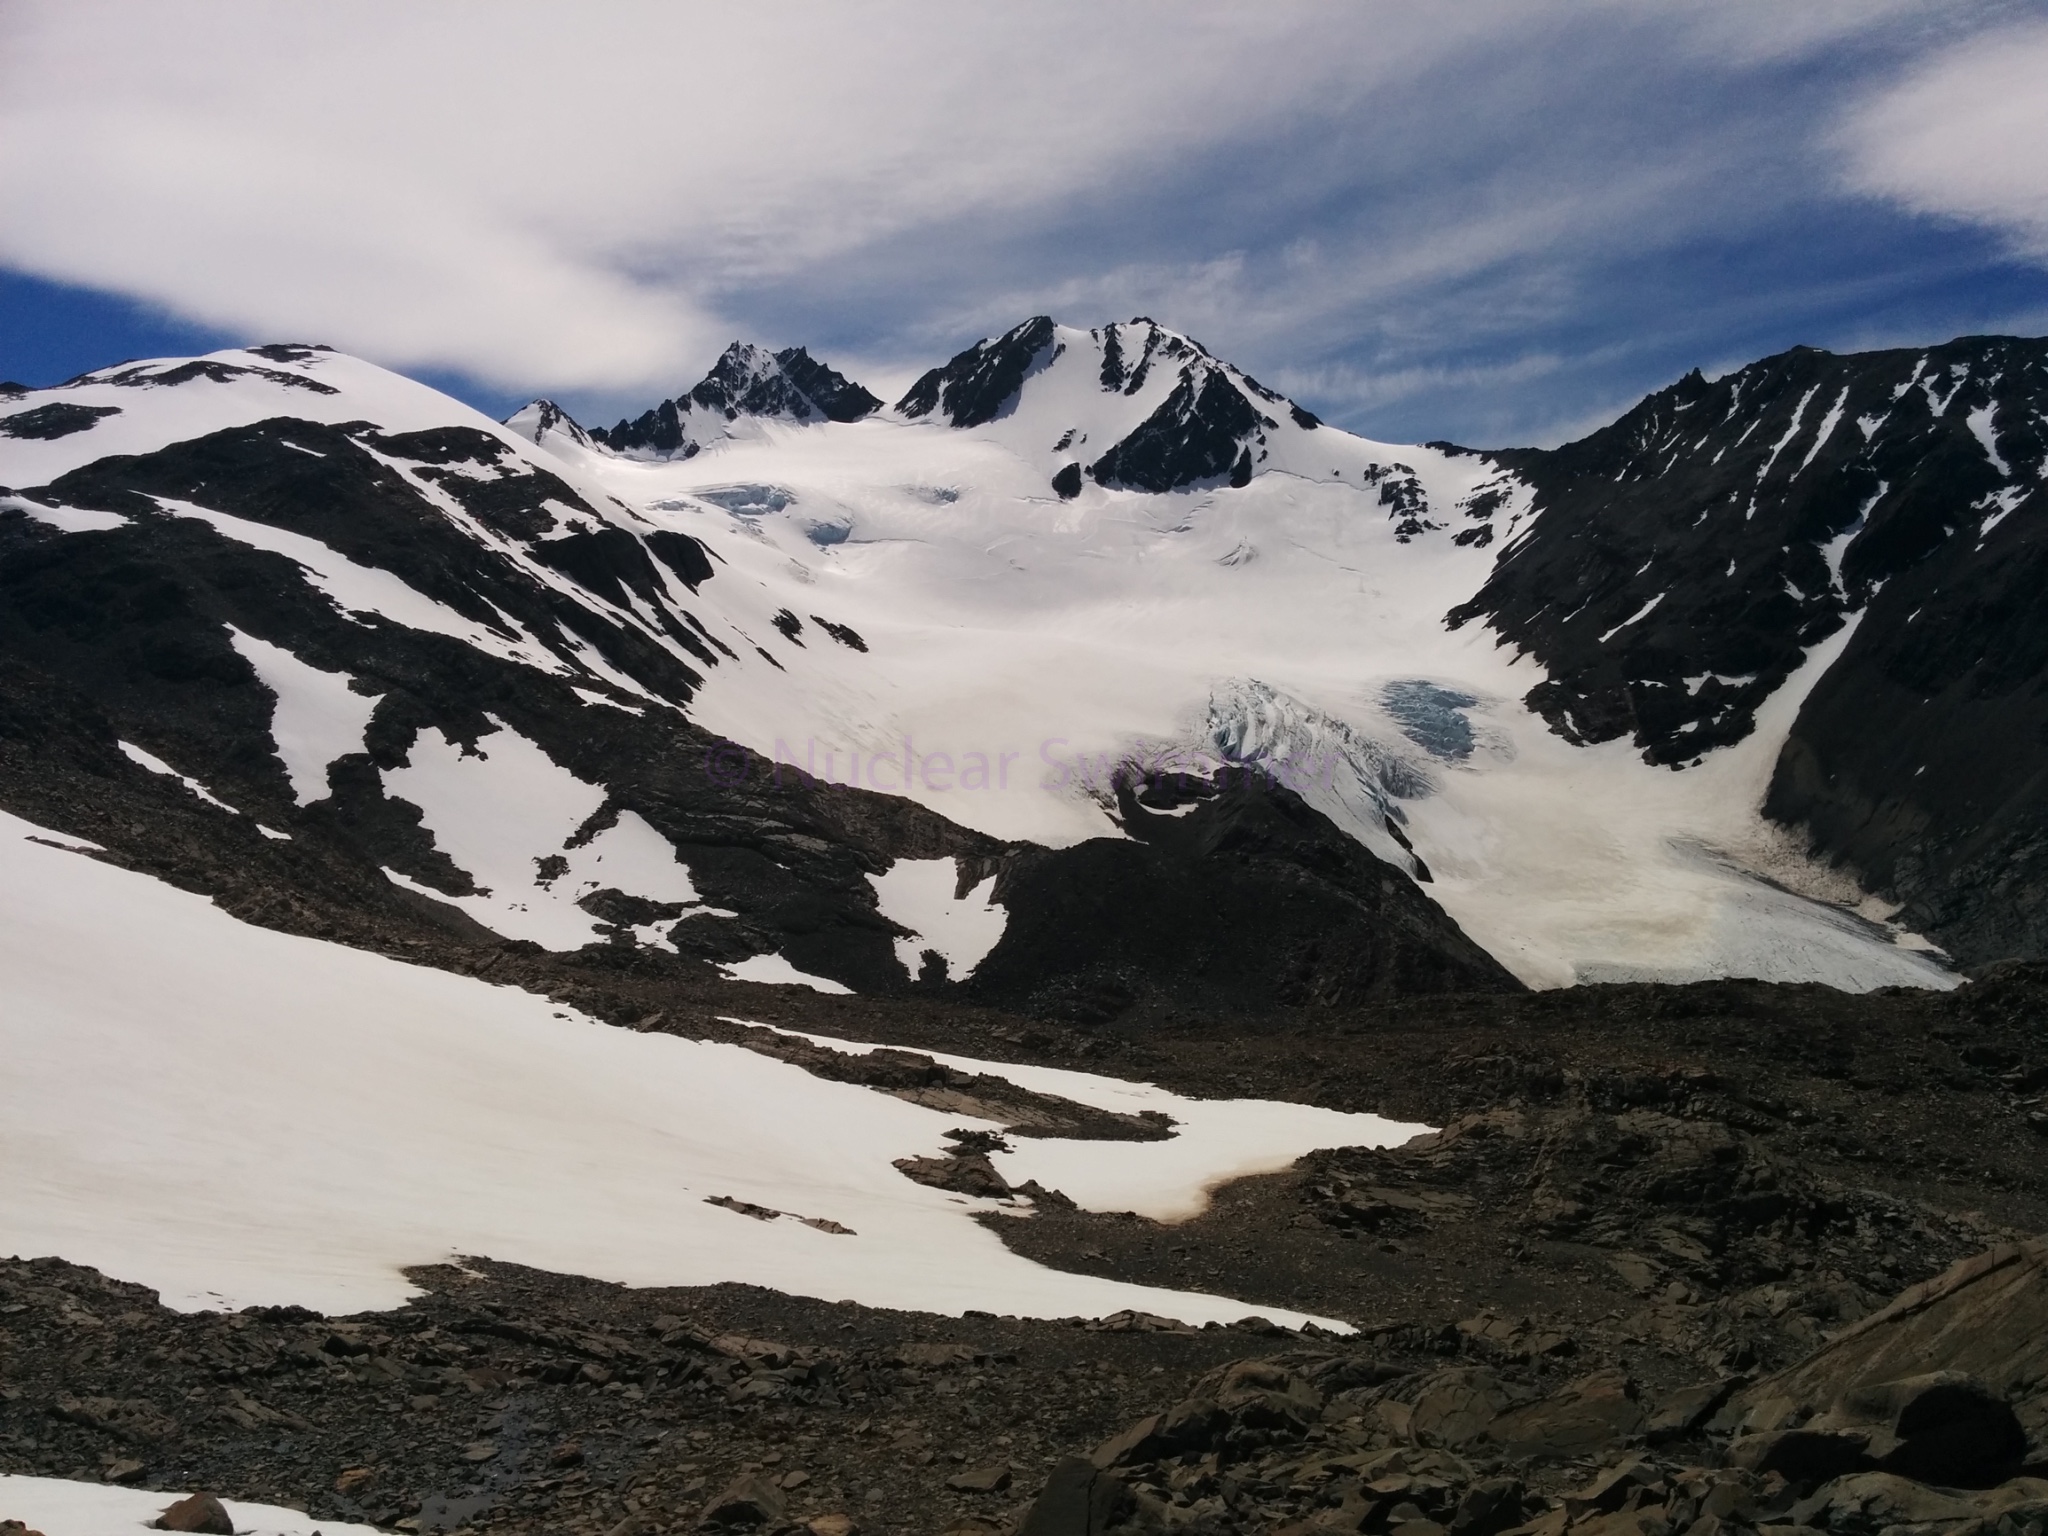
[236,1116]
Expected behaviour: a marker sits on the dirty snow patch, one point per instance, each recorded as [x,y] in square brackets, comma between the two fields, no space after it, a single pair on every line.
[774,971]
[1214,1140]
[58,1506]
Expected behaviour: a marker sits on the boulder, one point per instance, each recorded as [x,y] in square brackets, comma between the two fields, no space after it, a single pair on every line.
[1942,1427]
[1593,1412]
[1986,1318]
[748,1502]
[1195,1424]
[1866,1503]
[1687,1411]
[1489,1508]
[1611,1489]
[1800,1455]
[971,1174]
[1260,1394]
[1079,1499]
[1455,1407]
[980,1480]
[200,1512]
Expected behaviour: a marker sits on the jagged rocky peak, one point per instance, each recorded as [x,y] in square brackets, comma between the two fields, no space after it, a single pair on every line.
[538,420]
[974,386]
[1146,408]
[791,385]
[747,382]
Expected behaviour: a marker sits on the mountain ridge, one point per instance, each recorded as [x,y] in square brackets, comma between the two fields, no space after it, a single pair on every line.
[1556,551]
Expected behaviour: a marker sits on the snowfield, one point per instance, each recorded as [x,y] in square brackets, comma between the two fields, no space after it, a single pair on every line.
[236,1116]
[1021,646]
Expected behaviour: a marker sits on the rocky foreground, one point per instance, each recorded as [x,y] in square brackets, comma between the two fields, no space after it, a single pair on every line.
[1700,1259]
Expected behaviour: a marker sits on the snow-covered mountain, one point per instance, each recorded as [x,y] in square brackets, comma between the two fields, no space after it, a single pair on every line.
[1130,406]
[1091,682]
[450,686]
[1086,611]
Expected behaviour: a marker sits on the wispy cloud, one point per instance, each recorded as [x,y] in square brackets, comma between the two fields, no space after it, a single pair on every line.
[1964,135]
[1402,207]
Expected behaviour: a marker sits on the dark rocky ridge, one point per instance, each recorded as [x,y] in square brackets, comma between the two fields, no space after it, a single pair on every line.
[1308,917]
[1204,430]
[1688,556]
[789,385]
[1208,431]
[975,385]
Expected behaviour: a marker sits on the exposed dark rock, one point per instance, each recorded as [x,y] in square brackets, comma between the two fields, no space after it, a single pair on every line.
[977,385]
[1931,1380]
[749,1503]
[60,418]
[1198,433]
[1079,1499]
[845,634]
[1594,1411]
[1253,898]
[747,380]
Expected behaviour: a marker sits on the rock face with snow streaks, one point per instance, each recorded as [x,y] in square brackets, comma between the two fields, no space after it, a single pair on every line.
[1686,559]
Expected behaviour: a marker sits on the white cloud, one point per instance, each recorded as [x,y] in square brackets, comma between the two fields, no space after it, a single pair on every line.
[594,200]
[522,190]
[1964,136]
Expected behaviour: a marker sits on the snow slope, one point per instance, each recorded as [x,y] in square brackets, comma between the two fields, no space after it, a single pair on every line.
[236,1116]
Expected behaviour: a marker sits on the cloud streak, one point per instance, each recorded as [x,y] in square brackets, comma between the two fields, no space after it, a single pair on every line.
[592,202]
[1964,136]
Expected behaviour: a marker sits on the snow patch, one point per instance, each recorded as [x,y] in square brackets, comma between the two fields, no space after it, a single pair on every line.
[508,815]
[1980,424]
[1213,1140]
[1827,430]
[154,764]
[318,717]
[66,519]
[1640,614]
[592,696]
[774,971]
[919,895]
[58,1506]
[1791,432]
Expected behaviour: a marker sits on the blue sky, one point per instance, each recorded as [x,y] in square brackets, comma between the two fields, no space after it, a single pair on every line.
[1495,222]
